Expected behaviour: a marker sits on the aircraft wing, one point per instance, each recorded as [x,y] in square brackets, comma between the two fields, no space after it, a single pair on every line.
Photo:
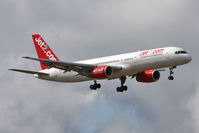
[81,68]
[29,72]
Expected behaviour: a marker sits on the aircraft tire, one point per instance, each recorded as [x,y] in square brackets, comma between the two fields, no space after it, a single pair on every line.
[98,86]
[171,78]
[92,87]
[120,89]
[125,88]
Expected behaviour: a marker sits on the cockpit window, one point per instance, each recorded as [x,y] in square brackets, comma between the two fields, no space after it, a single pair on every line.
[180,52]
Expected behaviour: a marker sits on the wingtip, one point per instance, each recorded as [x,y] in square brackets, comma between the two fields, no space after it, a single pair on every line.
[26,57]
[11,69]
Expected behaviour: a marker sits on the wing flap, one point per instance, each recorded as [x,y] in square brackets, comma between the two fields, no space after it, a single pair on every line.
[28,72]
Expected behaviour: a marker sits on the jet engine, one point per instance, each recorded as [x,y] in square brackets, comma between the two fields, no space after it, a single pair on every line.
[148,76]
[101,72]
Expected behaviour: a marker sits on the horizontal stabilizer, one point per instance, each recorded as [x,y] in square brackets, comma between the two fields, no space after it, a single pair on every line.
[29,72]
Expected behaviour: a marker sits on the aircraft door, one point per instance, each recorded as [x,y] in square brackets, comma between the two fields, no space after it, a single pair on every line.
[167,55]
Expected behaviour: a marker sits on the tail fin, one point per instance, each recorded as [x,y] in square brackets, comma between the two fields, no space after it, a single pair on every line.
[43,50]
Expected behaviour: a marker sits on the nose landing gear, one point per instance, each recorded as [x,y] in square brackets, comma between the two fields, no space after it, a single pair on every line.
[171,73]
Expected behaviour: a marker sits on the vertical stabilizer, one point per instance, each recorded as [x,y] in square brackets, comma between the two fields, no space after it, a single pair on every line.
[43,50]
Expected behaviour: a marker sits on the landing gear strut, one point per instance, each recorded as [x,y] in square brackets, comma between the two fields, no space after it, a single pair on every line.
[95,86]
[171,73]
[122,87]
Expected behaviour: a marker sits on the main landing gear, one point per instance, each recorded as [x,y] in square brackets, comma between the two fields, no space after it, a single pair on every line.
[122,87]
[171,73]
[95,86]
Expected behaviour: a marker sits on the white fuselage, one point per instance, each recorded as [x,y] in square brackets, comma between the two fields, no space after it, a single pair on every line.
[131,64]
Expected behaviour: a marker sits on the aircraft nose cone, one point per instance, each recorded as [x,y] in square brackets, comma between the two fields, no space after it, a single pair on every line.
[188,58]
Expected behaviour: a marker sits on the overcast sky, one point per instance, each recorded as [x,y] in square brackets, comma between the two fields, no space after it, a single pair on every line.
[76,30]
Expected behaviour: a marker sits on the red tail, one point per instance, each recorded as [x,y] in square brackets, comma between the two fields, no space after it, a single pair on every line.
[43,50]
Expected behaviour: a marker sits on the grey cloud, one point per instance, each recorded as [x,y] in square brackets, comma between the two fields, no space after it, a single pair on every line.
[192,106]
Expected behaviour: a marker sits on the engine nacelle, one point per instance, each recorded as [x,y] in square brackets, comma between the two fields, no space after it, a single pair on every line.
[101,72]
[148,76]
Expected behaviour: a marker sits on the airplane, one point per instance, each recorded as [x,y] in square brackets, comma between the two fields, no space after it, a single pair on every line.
[145,65]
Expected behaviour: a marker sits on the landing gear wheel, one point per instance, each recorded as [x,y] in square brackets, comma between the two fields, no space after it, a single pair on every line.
[125,88]
[92,87]
[98,86]
[119,89]
[171,78]
[95,86]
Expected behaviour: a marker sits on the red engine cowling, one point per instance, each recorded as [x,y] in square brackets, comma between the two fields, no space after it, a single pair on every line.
[148,76]
[101,72]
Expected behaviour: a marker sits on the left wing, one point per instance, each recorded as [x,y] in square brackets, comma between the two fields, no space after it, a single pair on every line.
[29,72]
[83,69]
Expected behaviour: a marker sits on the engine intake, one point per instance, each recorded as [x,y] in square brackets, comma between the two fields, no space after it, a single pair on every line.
[101,72]
[148,76]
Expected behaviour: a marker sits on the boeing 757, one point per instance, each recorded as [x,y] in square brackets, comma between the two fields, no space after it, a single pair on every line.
[145,65]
